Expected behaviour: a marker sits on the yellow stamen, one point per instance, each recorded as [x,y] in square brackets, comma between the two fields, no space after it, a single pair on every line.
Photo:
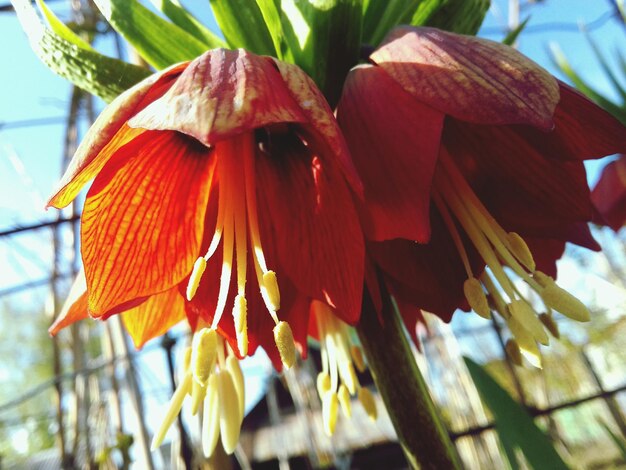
[240,316]
[204,347]
[526,342]
[512,349]
[230,419]
[524,313]
[357,356]
[211,417]
[196,275]
[198,392]
[369,404]
[233,366]
[344,400]
[173,409]
[285,343]
[270,291]
[550,324]
[476,297]
[323,384]
[330,406]
[562,301]
[521,251]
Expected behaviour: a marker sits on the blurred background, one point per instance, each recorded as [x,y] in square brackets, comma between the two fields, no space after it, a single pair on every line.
[88,399]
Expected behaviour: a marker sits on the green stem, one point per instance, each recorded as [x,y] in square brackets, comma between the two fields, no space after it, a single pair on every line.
[422,435]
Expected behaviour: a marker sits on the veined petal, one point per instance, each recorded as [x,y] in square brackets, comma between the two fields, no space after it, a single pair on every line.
[322,131]
[306,210]
[220,94]
[609,194]
[108,133]
[155,316]
[75,306]
[394,140]
[582,130]
[470,78]
[143,219]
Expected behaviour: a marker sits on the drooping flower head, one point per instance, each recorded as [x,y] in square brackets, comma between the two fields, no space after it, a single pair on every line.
[216,182]
[466,145]
[609,194]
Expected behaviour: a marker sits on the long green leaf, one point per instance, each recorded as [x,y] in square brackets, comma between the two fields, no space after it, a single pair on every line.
[158,41]
[243,25]
[619,442]
[510,38]
[381,17]
[459,16]
[61,28]
[186,21]
[93,72]
[270,9]
[513,424]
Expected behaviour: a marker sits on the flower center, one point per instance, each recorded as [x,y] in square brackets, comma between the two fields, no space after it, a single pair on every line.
[338,380]
[212,377]
[507,257]
[237,223]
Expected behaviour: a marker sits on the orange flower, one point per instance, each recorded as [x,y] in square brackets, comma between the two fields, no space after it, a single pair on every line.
[468,147]
[233,158]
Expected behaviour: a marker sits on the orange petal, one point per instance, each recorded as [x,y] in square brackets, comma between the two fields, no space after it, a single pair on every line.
[155,316]
[75,307]
[143,219]
[470,78]
[609,195]
[222,93]
[108,133]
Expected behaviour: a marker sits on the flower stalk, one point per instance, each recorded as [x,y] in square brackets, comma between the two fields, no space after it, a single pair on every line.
[422,434]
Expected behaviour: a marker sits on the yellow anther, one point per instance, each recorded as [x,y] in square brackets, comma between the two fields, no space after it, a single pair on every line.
[542,279]
[550,324]
[344,400]
[330,406]
[562,301]
[198,393]
[367,401]
[513,351]
[204,354]
[173,409]
[233,366]
[270,291]
[196,275]
[524,313]
[476,297]
[240,316]
[323,384]
[211,417]
[230,420]
[348,376]
[520,250]
[285,343]
[525,341]
[357,356]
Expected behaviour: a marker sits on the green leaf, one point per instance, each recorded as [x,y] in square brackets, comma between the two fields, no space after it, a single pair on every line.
[619,442]
[187,22]
[380,17]
[93,72]
[510,38]
[324,37]
[61,28]
[243,25]
[458,16]
[513,424]
[270,9]
[606,67]
[158,41]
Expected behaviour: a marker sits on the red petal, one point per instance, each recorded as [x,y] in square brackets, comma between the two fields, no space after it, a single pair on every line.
[143,219]
[394,140]
[517,183]
[582,130]
[155,316]
[75,306]
[609,195]
[108,133]
[322,128]
[220,94]
[470,78]
[306,211]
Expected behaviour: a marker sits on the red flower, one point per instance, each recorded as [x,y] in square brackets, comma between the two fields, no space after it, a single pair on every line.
[466,145]
[233,155]
[609,194]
